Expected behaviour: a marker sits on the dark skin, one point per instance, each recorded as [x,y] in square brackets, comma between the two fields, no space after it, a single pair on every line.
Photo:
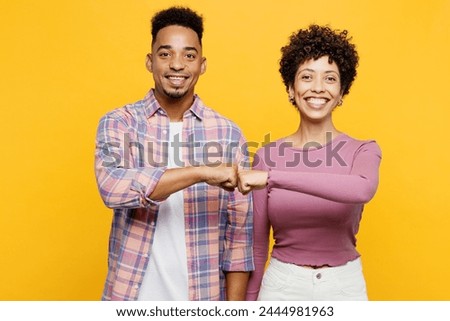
[236,283]
[176,179]
[176,63]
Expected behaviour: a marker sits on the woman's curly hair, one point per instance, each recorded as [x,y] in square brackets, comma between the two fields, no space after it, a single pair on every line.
[315,42]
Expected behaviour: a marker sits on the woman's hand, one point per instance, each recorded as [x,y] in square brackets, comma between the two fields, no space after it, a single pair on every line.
[249,180]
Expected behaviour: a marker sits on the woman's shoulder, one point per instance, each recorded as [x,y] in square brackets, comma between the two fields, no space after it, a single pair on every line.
[361,144]
[264,154]
[270,146]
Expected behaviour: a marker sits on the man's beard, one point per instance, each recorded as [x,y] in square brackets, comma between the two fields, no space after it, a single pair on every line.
[175,94]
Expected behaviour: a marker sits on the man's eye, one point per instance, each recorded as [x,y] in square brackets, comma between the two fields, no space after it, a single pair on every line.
[190,56]
[164,54]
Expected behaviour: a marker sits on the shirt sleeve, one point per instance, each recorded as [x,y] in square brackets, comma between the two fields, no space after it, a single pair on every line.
[261,236]
[238,252]
[359,186]
[121,184]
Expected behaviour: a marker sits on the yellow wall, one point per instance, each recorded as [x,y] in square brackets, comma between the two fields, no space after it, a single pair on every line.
[66,63]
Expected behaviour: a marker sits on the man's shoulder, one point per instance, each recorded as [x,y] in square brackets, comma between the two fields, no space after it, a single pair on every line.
[213,116]
[126,112]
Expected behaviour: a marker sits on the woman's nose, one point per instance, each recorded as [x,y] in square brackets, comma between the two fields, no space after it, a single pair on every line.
[317,85]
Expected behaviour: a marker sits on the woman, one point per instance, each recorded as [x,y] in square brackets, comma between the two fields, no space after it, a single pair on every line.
[311,187]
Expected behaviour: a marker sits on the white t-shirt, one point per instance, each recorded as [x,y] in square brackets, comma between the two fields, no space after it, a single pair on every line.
[166,277]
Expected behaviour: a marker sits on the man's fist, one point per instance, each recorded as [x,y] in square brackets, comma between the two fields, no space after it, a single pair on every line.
[224,176]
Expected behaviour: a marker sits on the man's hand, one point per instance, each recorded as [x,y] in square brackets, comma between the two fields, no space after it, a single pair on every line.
[224,176]
[249,180]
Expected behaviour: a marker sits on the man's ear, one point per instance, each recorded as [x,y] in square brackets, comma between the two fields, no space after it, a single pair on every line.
[148,62]
[203,66]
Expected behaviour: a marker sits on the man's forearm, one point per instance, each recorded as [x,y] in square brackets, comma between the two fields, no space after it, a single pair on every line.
[236,285]
[174,180]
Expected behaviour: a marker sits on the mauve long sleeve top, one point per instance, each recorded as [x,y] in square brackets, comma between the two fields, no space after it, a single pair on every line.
[313,201]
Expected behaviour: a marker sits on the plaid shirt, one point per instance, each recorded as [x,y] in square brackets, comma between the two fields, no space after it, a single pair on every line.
[131,156]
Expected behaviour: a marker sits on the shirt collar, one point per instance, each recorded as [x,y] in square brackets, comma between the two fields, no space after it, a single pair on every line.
[151,106]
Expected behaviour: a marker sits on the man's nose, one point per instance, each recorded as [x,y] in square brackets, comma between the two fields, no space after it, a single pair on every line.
[176,63]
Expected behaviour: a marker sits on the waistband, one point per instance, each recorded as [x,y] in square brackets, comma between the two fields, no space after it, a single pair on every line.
[293,269]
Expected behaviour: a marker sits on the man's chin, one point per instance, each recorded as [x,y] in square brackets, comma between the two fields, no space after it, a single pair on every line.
[175,94]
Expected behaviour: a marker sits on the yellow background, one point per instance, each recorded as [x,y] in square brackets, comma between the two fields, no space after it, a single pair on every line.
[66,63]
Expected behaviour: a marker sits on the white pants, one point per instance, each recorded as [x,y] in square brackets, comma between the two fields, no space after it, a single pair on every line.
[289,282]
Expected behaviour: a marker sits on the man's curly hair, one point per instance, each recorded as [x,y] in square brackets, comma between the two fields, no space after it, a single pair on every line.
[179,16]
[315,42]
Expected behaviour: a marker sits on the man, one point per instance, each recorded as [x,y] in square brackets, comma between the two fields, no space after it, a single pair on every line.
[167,165]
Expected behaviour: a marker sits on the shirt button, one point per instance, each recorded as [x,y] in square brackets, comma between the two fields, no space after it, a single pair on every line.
[152,223]
[145,255]
[136,287]
[319,276]
[164,131]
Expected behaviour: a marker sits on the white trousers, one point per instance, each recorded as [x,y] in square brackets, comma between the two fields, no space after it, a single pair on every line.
[289,282]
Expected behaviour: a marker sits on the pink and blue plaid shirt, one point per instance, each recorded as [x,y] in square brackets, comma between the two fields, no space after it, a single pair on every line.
[131,156]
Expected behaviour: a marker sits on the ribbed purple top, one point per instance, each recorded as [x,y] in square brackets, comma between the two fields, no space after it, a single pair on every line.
[314,201]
